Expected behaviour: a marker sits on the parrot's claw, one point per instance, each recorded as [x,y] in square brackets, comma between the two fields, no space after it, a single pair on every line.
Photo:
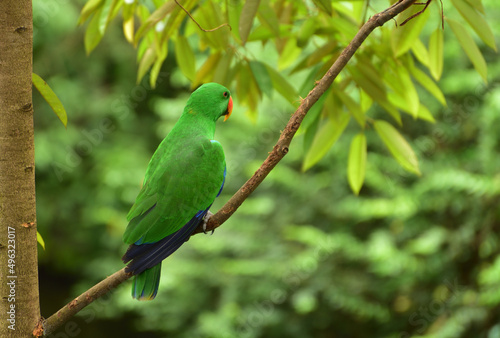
[205,221]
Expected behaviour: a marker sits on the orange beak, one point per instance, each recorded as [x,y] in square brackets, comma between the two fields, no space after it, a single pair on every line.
[229,109]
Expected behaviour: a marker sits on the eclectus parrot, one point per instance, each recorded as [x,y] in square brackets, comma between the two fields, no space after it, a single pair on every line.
[183,178]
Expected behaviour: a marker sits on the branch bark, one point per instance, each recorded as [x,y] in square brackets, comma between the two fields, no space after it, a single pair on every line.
[278,152]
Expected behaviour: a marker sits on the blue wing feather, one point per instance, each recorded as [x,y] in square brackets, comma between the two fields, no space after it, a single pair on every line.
[146,255]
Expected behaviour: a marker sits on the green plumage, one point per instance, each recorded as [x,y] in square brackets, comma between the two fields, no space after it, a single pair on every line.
[183,178]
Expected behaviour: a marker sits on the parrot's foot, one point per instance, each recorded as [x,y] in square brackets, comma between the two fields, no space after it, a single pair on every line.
[205,221]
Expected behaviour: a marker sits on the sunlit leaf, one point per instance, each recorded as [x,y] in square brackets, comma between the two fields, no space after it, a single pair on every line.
[146,61]
[306,31]
[476,21]
[92,34]
[469,46]
[243,82]
[262,77]
[161,55]
[246,18]
[222,69]
[320,53]
[234,14]
[420,52]
[51,98]
[289,54]
[267,16]
[353,107]
[425,114]
[404,37]
[128,29]
[477,4]
[397,145]
[436,53]
[40,240]
[372,85]
[105,15]
[185,57]
[154,18]
[324,5]
[282,86]
[346,27]
[409,90]
[325,138]
[428,84]
[209,15]
[356,163]
[90,7]
[207,70]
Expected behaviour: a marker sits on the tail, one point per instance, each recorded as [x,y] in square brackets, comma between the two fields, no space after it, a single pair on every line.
[146,283]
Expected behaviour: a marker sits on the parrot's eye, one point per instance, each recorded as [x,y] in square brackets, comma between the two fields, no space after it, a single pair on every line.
[225,94]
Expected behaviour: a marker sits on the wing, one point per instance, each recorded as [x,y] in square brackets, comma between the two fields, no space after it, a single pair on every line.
[182,185]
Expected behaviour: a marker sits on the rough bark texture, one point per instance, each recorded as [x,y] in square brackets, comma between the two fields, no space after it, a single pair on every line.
[19,305]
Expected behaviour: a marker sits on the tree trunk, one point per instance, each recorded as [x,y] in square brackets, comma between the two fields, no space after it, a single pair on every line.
[19,305]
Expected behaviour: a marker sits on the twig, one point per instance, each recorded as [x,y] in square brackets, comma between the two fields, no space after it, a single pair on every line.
[196,22]
[278,152]
[73,307]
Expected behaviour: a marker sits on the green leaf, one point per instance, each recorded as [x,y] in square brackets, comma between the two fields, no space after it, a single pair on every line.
[356,164]
[398,78]
[404,37]
[267,16]
[206,71]
[324,5]
[325,138]
[90,7]
[155,69]
[420,52]
[246,19]
[282,85]
[105,15]
[409,90]
[128,28]
[262,77]
[374,87]
[320,53]
[92,35]
[51,98]
[428,84]
[154,18]
[477,4]
[40,240]
[222,70]
[146,61]
[185,57]
[289,54]
[234,14]
[306,31]
[470,48]
[436,53]
[353,107]
[425,114]
[476,21]
[397,145]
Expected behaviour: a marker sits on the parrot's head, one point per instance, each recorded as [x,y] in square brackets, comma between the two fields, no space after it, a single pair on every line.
[212,100]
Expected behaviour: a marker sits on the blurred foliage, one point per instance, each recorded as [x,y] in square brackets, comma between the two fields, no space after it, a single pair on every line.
[263,46]
[302,257]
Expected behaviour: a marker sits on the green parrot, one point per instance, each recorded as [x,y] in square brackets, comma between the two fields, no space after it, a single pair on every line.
[183,178]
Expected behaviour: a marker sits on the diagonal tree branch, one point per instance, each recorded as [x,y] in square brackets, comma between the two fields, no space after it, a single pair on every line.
[278,152]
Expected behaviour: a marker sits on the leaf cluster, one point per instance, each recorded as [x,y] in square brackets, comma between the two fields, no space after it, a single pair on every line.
[285,46]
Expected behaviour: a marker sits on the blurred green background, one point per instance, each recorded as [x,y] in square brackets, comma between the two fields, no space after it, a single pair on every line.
[303,256]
